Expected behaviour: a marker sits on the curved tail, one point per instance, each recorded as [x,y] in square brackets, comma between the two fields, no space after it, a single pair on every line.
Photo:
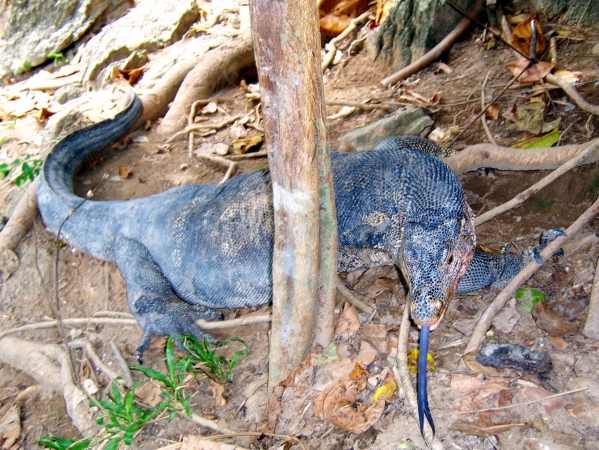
[69,155]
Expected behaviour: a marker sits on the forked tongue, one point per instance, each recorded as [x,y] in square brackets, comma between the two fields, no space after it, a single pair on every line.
[423,409]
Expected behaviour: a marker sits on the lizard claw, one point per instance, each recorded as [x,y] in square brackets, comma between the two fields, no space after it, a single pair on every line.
[422,396]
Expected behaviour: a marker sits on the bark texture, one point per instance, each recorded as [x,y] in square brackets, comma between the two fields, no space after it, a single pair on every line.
[287,45]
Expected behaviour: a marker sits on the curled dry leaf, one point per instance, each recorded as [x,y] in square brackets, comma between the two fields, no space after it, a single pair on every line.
[570,76]
[492,112]
[413,361]
[551,322]
[336,15]
[191,442]
[376,335]
[584,406]
[125,172]
[386,391]
[335,404]
[465,383]
[218,393]
[522,36]
[348,322]
[244,145]
[149,393]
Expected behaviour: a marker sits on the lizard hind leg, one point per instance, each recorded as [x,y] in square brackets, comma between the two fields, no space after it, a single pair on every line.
[155,306]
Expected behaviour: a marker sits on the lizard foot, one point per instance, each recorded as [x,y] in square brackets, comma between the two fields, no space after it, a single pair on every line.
[547,238]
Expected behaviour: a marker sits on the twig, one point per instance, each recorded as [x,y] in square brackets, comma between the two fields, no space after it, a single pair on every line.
[260,154]
[365,106]
[591,324]
[204,126]
[404,375]
[231,165]
[571,91]
[20,220]
[483,118]
[223,324]
[478,334]
[531,402]
[122,362]
[436,52]
[206,423]
[331,47]
[521,197]
[93,356]
[70,322]
[352,297]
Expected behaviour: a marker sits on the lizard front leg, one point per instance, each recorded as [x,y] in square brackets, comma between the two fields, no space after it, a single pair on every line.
[155,306]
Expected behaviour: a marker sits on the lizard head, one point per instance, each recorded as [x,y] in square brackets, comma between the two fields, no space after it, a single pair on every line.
[433,257]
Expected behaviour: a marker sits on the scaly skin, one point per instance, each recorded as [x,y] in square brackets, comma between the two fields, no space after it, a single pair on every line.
[194,249]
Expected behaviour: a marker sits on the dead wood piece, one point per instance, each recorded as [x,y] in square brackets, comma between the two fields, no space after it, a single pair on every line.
[571,91]
[506,158]
[436,52]
[352,297]
[215,67]
[38,361]
[230,165]
[483,118]
[520,198]
[405,379]
[20,220]
[480,330]
[331,47]
[591,324]
[241,321]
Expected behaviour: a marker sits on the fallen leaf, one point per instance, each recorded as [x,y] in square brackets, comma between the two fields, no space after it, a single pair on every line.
[328,355]
[529,118]
[382,10]
[359,373]
[546,140]
[386,391]
[471,362]
[348,322]
[484,430]
[551,322]
[527,72]
[10,427]
[465,383]
[492,112]
[131,75]
[149,393]
[522,37]
[218,393]
[336,15]
[584,406]
[244,145]
[125,172]
[547,407]
[413,361]
[528,297]
[191,442]
[376,335]
[570,76]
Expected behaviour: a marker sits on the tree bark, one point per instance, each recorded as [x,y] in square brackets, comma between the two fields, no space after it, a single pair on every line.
[287,46]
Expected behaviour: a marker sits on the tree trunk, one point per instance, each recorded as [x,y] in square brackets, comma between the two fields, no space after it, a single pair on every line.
[287,46]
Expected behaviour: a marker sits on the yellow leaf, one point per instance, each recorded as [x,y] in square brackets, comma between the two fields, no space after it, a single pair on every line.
[385,391]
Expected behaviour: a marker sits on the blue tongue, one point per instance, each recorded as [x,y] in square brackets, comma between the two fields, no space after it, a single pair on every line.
[423,409]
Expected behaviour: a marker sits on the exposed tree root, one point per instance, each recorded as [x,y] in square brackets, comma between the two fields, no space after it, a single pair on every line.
[352,297]
[50,366]
[591,324]
[436,52]
[480,330]
[214,68]
[520,198]
[506,158]
[571,91]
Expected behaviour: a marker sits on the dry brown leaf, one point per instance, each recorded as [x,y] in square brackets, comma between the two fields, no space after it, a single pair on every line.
[465,383]
[535,72]
[376,335]
[584,406]
[547,407]
[335,15]
[551,322]
[335,405]
[382,10]
[492,112]
[486,424]
[244,145]
[149,393]
[348,322]
[522,36]
[570,76]
[299,371]
[10,427]
[125,172]
[218,393]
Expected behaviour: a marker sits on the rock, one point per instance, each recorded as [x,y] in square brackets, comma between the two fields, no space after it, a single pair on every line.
[411,121]
[412,28]
[513,356]
[151,25]
[579,13]
[37,28]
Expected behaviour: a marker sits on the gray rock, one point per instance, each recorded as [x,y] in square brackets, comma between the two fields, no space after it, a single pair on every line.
[411,121]
[151,25]
[412,28]
[37,28]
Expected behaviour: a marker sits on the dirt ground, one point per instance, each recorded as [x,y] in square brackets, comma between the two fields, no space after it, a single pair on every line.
[87,285]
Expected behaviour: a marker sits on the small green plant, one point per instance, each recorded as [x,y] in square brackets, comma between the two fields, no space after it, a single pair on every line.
[123,418]
[545,205]
[21,67]
[593,186]
[30,168]
[63,444]
[205,359]
[58,59]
